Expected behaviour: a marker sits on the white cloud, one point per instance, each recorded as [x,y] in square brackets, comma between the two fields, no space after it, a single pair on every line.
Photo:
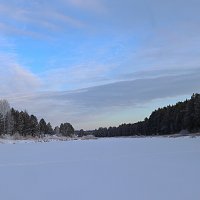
[14,78]
[156,37]
[34,19]
[92,107]
[77,76]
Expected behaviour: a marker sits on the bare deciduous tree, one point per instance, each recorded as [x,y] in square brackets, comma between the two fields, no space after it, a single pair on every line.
[4,111]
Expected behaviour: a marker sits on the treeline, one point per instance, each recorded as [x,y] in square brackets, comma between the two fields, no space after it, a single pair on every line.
[168,120]
[14,122]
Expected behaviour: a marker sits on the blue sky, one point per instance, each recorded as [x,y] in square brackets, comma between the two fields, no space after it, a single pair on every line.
[98,62]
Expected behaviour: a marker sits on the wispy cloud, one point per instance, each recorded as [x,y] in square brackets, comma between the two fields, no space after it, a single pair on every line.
[92,5]
[77,76]
[34,19]
[106,55]
[97,104]
[14,78]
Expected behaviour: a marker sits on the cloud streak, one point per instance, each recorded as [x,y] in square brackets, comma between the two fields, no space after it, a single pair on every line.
[90,104]
[78,76]
[34,19]
[104,57]
[91,5]
[14,78]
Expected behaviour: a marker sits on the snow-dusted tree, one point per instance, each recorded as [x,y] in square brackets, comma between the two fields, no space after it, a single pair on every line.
[66,129]
[57,130]
[1,124]
[20,123]
[4,107]
[34,125]
[4,111]
[9,124]
[42,127]
[49,129]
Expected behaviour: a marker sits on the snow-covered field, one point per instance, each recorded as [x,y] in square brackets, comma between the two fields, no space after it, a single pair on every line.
[104,169]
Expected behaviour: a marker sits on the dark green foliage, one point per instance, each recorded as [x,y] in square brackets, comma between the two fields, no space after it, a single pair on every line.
[42,127]
[168,120]
[66,129]
[49,129]
[34,127]
[197,112]
[27,125]
[81,133]
[1,124]
[14,122]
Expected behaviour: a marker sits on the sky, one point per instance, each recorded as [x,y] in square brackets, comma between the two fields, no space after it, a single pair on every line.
[98,63]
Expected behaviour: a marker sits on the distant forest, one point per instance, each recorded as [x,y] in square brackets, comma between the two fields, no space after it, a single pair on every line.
[163,121]
[14,122]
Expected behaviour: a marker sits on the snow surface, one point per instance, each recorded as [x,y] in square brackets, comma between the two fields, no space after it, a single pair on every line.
[7,139]
[103,169]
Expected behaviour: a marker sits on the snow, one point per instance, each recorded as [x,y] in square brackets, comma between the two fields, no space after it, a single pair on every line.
[7,139]
[103,169]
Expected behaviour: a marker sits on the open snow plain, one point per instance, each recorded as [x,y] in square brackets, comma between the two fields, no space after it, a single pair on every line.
[103,169]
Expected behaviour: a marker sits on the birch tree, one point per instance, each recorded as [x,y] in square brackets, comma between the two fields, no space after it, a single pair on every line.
[4,111]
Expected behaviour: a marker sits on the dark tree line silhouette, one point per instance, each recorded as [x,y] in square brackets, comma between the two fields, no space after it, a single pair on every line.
[14,122]
[168,120]
[163,121]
